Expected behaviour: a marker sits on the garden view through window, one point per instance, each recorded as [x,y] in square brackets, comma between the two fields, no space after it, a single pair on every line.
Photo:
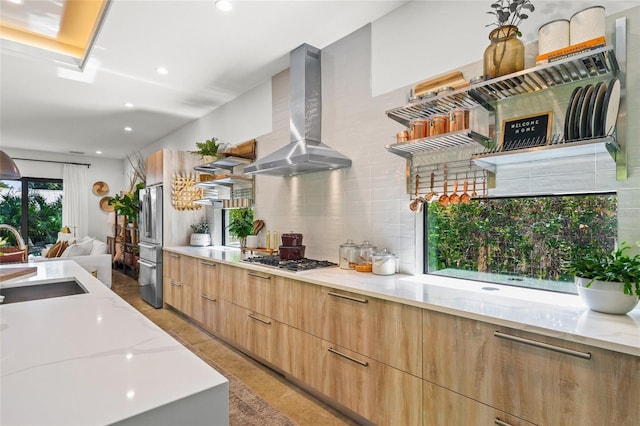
[33,206]
[518,241]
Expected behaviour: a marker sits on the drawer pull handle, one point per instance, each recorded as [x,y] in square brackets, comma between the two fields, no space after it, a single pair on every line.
[585,355]
[501,423]
[208,264]
[259,319]
[177,256]
[176,283]
[264,277]
[211,299]
[333,351]
[344,296]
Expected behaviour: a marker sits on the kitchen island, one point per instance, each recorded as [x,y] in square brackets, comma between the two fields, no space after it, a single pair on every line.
[91,358]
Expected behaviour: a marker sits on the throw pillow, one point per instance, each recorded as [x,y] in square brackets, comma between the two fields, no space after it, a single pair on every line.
[99,247]
[79,249]
[57,249]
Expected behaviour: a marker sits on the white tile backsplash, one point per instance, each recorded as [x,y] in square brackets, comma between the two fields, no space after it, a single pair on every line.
[369,200]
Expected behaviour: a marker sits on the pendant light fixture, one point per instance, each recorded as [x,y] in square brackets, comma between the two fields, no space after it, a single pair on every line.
[8,168]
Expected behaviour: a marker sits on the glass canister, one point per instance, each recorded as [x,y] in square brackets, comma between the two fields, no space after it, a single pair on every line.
[384,263]
[364,260]
[348,254]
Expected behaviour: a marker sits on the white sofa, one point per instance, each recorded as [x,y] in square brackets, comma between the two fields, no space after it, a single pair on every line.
[96,260]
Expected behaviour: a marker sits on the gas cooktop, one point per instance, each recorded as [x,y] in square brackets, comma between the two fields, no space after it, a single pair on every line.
[303,264]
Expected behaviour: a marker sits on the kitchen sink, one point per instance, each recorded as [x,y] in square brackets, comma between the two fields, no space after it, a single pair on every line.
[41,291]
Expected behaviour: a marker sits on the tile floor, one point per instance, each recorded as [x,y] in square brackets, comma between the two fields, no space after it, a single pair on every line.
[293,402]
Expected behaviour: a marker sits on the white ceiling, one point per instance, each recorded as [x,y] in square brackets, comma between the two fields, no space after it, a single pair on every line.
[211,56]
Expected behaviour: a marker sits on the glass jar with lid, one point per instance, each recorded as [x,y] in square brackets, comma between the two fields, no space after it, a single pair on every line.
[384,262]
[365,250]
[348,255]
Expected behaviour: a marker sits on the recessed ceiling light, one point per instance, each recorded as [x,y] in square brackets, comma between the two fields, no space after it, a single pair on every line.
[128,105]
[98,152]
[128,129]
[162,70]
[224,5]
[16,1]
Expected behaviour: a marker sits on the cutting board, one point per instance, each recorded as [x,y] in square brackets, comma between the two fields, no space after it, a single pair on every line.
[10,273]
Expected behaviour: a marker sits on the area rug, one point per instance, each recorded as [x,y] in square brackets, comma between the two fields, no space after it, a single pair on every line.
[245,407]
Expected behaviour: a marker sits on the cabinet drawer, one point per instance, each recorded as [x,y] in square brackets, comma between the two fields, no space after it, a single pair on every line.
[264,293]
[543,380]
[380,393]
[386,331]
[209,289]
[259,335]
[179,277]
[443,407]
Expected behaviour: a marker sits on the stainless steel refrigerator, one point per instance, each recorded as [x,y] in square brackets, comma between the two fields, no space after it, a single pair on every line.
[150,227]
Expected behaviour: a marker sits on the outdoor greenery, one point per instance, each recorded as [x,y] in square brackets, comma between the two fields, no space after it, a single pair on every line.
[609,266]
[529,237]
[241,224]
[45,218]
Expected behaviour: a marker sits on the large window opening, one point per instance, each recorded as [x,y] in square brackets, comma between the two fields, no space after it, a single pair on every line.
[518,241]
[34,207]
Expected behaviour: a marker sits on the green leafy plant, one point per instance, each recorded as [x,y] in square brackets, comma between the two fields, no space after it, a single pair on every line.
[201,227]
[241,224]
[128,204]
[510,12]
[207,148]
[613,267]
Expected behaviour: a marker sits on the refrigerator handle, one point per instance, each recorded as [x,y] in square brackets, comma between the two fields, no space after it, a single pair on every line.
[147,264]
[146,207]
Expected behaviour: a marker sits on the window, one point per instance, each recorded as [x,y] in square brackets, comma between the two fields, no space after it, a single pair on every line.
[518,241]
[240,220]
[34,207]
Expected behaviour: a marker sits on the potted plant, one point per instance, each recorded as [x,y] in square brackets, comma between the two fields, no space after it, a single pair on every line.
[608,282]
[201,236]
[128,204]
[207,150]
[241,224]
[505,53]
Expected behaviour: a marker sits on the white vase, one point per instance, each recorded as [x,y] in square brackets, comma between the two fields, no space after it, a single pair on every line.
[605,296]
[200,240]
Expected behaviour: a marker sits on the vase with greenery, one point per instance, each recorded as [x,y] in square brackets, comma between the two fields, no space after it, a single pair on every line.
[200,236]
[608,282]
[207,150]
[128,204]
[241,224]
[505,53]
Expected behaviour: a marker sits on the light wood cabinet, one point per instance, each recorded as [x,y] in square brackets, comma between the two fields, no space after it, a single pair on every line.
[380,393]
[154,169]
[386,331]
[266,294]
[443,408]
[179,275]
[543,380]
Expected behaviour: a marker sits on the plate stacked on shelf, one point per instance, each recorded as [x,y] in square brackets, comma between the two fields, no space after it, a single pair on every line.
[592,110]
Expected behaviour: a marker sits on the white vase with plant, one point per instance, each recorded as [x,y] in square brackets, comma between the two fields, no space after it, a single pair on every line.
[608,282]
[201,236]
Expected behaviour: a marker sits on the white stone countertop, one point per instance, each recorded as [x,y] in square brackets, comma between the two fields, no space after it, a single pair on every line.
[91,358]
[559,315]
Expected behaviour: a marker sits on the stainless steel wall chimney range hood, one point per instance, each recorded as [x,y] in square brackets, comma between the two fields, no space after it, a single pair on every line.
[305,153]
